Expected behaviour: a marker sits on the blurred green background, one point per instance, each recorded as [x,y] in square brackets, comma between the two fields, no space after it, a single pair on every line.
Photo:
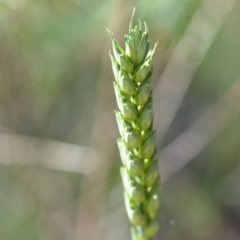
[59,162]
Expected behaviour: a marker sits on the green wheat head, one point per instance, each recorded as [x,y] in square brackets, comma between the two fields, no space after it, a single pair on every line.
[132,70]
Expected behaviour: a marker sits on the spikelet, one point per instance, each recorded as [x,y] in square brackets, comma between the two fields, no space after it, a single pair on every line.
[133,70]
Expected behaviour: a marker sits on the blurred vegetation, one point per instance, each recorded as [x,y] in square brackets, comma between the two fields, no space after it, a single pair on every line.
[56,86]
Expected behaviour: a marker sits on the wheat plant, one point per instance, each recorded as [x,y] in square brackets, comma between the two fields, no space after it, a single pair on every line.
[133,70]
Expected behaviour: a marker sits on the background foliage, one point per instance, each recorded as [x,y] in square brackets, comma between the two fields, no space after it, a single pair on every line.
[59,162]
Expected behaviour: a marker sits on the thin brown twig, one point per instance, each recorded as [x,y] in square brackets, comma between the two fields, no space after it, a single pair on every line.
[202,132]
[93,187]
[185,60]
[40,152]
